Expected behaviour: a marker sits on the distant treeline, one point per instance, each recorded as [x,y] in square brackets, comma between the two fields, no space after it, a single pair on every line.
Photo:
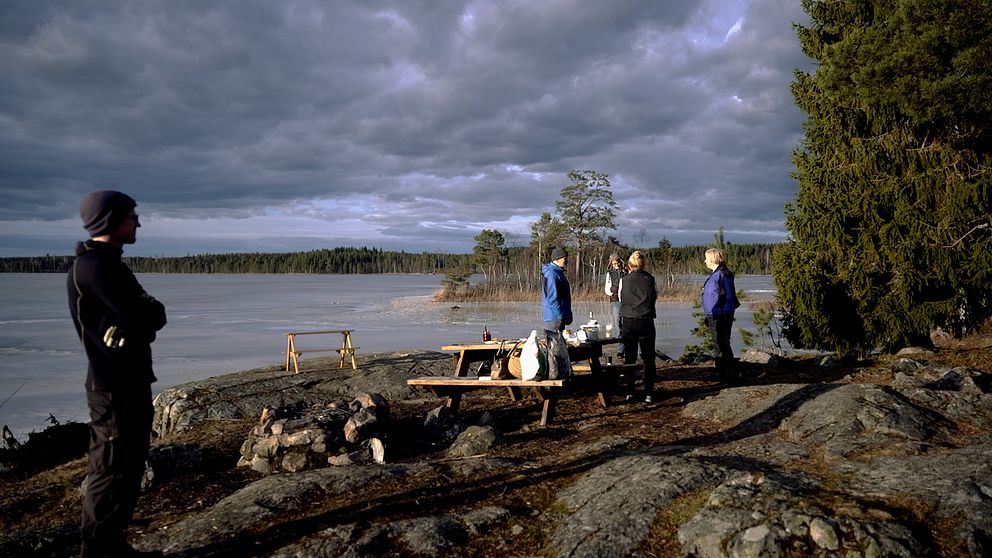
[743,259]
[335,260]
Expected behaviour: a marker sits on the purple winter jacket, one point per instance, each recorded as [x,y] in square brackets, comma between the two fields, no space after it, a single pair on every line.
[719,294]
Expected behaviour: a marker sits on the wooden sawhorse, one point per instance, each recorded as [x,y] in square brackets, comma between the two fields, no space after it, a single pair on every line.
[293,353]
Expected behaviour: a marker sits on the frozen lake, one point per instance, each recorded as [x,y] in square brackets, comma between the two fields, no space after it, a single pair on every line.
[227,323]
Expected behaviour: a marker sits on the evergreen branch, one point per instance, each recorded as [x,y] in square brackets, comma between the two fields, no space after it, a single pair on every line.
[973,229]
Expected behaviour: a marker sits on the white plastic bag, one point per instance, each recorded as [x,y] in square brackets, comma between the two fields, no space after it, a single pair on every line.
[530,358]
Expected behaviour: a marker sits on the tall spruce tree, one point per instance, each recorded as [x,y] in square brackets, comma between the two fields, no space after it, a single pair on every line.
[890,230]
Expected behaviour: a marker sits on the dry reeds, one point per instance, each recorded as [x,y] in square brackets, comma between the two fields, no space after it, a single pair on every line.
[677,291]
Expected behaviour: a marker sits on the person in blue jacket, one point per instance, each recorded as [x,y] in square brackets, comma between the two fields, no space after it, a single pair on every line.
[556,295]
[719,303]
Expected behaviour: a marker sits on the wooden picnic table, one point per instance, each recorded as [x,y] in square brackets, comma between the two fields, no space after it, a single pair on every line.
[592,375]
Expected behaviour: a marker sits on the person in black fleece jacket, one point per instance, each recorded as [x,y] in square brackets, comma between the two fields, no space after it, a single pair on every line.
[638,294]
[116,321]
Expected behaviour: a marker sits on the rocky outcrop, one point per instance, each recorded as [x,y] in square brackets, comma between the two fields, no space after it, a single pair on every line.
[273,500]
[245,394]
[883,454]
[827,469]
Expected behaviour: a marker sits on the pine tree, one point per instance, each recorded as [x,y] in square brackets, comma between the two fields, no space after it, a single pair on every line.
[585,208]
[489,251]
[890,229]
[545,233]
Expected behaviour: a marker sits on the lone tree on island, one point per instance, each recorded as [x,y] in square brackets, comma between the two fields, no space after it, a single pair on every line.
[489,251]
[585,207]
[544,234]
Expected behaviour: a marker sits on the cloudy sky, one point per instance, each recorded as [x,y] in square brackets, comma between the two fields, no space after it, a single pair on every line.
[252,125]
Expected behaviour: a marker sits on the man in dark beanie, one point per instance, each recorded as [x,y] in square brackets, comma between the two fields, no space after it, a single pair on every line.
[556,294]
[556,309]
[116,321]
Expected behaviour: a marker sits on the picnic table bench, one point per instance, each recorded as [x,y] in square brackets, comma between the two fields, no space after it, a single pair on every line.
[602,383]
[293,352]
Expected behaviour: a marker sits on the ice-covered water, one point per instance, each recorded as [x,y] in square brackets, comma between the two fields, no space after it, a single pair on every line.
[224,323]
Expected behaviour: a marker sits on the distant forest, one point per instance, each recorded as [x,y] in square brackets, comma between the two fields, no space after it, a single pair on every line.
[745,259]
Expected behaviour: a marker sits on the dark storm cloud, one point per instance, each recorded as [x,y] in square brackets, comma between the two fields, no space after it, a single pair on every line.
[393,122]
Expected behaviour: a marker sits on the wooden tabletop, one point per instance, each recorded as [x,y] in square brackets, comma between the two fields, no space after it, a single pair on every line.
[507,343]
[474,381]
[480,345]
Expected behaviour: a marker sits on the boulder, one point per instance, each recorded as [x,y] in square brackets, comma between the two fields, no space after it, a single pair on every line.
[441,425]
[754,356]
[170,461]
[475,440]
[911,351]
[828,362]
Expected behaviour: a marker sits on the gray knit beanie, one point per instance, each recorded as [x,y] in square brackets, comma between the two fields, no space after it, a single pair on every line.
[103,210]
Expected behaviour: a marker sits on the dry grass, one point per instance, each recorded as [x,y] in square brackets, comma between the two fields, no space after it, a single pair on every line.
[663,539]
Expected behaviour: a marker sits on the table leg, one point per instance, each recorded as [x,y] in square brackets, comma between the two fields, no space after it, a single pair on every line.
[548,414]
[515,394]
[603,399]
[351,350]
[454,400]
[289,350]
[462,364]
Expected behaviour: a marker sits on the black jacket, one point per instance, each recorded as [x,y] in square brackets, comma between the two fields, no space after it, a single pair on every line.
[637,295]
[104,294]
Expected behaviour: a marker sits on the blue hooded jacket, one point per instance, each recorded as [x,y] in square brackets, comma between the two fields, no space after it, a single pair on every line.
[556,295]
[719,294]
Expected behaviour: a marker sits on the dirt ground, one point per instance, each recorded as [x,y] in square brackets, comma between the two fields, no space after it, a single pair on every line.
[39,511]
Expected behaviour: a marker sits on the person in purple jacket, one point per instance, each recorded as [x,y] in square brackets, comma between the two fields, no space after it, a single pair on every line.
[719,303]
[116,321]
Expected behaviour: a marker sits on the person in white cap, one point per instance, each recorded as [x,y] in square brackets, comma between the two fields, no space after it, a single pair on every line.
[614,273]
